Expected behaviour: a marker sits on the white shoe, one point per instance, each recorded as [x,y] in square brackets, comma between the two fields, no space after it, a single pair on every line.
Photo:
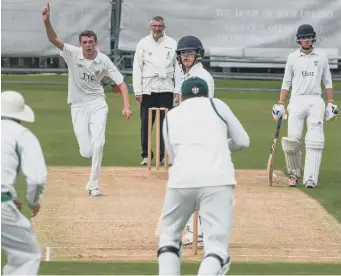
[163,162]
[293,180]
[310,184]
[187,239]
[144,161]
[94,192]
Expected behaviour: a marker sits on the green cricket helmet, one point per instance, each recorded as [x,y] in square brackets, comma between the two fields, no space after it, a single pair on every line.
[194,87]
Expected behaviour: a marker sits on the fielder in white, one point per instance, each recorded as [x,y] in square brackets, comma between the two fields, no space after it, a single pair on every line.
[190,52]
[20,151]
[304,71]
[87,67]
[199,136]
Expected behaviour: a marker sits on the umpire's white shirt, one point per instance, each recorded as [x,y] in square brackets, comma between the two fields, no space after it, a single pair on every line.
[199,71]
[21,150]
[305,72]
[197,143]
[85,75]
[155,65]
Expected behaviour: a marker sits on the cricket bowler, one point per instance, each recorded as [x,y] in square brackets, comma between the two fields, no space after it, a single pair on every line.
[87,66]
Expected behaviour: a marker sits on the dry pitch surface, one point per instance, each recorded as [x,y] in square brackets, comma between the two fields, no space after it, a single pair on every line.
[270,223]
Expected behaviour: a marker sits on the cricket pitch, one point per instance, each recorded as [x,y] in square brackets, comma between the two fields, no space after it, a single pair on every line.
[275,223]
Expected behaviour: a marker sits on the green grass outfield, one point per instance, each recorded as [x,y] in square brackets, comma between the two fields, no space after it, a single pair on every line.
[54,129]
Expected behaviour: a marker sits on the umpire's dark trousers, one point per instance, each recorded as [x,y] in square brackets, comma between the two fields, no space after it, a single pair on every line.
[162,99]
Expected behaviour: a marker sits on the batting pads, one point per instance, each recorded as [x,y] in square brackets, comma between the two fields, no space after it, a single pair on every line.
[292,153]
[313,159]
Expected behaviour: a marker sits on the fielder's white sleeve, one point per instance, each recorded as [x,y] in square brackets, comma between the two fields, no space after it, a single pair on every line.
[211,87]
[112,72]
[137,70]
[238,138]
[168,145]
[326,75]
[68,52]
[33,166]
[288,75]
[178,77]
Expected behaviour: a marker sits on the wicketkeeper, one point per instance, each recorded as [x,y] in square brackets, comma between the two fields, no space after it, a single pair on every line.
[199,137]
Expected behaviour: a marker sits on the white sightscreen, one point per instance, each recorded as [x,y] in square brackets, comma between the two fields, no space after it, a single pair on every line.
[23,31]
[238,28]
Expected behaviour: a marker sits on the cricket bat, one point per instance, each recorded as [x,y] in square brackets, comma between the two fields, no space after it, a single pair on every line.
[272,155]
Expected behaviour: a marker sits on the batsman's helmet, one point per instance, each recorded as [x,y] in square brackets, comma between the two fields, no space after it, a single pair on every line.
[305,30]
[190,43]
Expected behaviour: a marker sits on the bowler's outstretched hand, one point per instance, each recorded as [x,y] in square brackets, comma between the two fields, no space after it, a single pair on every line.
[46,12]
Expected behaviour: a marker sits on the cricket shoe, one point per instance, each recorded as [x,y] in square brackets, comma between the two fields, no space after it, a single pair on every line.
[163,162]
[309,184]
[144,161]
[94,192]
[292,180]
[187,239]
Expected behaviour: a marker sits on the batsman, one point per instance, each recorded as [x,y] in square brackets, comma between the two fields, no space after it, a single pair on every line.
[190,53]
[199,136]
[304,71]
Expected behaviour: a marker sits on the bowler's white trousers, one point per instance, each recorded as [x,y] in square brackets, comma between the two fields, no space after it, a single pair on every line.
[18,242]
[215,204]
[89,123]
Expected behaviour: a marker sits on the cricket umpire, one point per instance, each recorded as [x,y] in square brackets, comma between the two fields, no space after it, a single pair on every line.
[156,73]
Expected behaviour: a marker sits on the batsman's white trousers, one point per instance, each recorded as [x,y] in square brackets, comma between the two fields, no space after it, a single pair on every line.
[89,124]
[18,242]
[215,205]
[310,108]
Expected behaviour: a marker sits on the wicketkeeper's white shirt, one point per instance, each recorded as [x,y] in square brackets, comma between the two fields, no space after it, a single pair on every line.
[21,151]
[85,75]
[304,73]
[199,71]
[197,143]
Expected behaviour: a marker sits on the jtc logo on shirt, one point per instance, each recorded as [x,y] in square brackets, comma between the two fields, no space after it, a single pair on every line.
[307,74]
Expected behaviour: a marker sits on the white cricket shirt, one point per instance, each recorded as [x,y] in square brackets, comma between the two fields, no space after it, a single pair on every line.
[85,75]
[155,65]
[305,73]
[197,143]
[199,71]
[21,150]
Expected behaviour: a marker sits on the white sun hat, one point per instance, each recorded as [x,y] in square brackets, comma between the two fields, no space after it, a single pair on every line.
[13,106]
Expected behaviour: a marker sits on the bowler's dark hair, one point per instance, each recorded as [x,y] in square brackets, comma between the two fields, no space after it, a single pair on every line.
[87,33]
